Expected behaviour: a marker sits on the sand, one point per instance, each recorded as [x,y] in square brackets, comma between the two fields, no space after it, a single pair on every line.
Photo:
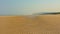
[43,24]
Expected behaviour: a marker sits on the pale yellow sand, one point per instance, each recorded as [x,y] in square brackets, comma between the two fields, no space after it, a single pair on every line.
[44,24]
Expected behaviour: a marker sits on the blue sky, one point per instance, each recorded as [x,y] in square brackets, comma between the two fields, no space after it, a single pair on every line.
[28,7]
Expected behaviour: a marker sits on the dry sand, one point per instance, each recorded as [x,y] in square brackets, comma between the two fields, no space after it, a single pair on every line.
[44,24]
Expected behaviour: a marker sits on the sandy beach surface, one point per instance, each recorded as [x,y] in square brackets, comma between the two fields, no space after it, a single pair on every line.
[44,24]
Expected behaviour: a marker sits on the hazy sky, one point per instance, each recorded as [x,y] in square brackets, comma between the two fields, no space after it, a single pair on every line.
[27,7]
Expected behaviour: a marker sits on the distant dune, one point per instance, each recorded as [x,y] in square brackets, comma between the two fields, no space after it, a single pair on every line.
[43,24]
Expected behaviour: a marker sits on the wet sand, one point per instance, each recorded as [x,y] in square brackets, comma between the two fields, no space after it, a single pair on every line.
[44,24]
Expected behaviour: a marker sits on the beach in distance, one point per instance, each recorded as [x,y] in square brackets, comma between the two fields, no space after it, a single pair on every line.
[42,24]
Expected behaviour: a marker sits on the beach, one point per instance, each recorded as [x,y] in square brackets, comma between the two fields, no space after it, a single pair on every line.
[44,24]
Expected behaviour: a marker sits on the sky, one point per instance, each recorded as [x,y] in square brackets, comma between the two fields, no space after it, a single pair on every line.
[28,7]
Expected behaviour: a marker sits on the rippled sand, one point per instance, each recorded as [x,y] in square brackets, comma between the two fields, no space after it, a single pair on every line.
[44,24]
